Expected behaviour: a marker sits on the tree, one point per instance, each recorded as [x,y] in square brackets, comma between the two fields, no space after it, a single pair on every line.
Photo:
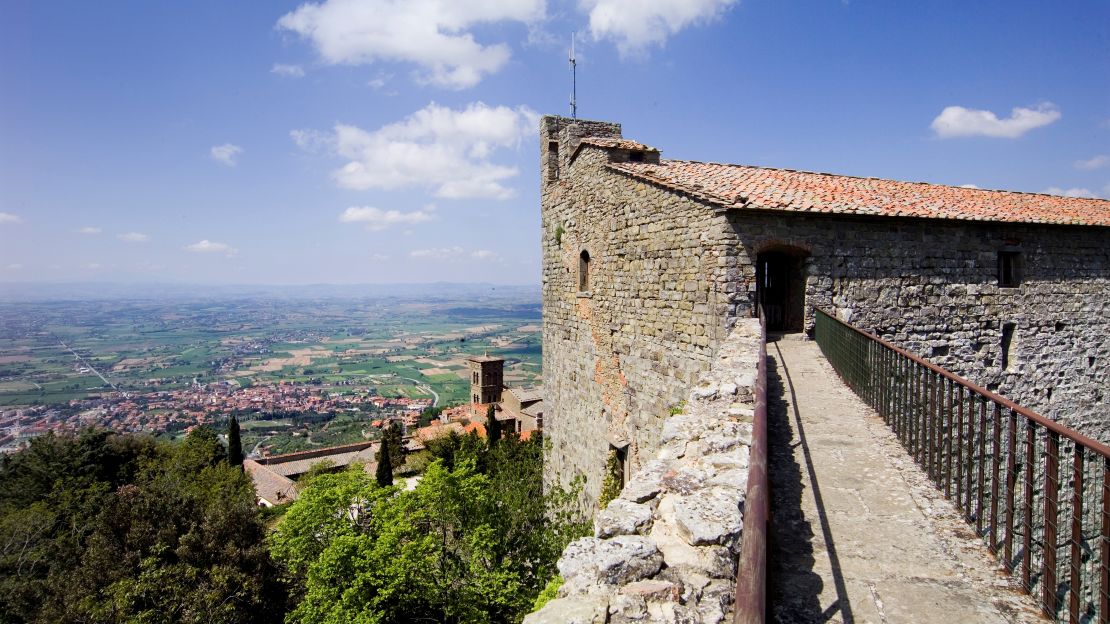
[394,439]
[122,528]
[493,427]
[234,443]
[468,544]
[384,473]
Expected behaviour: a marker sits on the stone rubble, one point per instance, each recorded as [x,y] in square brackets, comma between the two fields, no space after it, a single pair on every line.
[666,549]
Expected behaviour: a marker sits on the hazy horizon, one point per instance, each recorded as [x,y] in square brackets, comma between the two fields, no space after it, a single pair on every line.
[16,292]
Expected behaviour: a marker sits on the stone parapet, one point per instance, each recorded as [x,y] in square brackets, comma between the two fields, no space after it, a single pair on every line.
[666,549]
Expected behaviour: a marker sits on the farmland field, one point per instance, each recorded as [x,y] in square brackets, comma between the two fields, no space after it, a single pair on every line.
[70,358]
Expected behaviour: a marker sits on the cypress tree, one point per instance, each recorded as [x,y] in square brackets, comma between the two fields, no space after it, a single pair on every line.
[384,473]
[493,428]
[393,437]
[234,443]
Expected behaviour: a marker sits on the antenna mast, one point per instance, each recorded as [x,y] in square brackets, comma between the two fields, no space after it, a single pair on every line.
[573,81]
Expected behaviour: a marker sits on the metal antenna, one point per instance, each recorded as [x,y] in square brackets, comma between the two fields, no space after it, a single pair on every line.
[573,81]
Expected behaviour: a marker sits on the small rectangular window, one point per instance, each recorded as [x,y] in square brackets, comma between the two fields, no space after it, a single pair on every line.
[1009,269]
[552,160]
[635,157]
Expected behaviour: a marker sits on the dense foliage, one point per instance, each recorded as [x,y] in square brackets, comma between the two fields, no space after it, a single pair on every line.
[475,541]
[110,528]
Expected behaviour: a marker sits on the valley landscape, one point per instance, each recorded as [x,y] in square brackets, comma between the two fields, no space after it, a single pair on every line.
[299,368]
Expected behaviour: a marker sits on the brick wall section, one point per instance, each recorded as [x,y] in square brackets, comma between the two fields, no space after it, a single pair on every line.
[669,274]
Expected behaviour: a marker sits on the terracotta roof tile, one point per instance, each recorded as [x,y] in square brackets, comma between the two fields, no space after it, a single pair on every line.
[269,485]
[741,186]
[613,142]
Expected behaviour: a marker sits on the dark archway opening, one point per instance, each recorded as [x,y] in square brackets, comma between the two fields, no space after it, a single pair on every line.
[781,289]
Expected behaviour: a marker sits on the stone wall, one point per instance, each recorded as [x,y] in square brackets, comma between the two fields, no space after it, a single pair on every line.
[931,286]
[617,357]
[666,549]
[670,273]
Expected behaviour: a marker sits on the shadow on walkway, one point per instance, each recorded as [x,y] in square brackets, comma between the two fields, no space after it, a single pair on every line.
[794,585]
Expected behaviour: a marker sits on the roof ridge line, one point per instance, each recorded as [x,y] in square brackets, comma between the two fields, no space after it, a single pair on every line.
[857,177]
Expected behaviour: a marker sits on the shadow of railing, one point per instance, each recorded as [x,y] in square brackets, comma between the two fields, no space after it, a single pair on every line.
[794,585]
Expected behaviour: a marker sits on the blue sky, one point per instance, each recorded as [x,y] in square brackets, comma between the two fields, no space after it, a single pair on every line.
[395,141]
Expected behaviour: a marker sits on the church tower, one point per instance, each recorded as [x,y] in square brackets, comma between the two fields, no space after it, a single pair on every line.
[487,377]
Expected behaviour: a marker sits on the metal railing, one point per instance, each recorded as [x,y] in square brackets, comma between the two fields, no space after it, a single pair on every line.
[751,569]
[1036,492]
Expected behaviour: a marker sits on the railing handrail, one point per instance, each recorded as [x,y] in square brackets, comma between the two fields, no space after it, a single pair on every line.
[1071,434]
[751,567]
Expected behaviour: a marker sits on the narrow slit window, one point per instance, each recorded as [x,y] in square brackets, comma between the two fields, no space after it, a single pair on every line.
[1009,269]
[1008,330]
[584,271]
[553,160]
[622,465]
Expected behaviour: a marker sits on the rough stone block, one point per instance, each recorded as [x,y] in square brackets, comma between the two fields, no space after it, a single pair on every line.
[622,517]
[575,610]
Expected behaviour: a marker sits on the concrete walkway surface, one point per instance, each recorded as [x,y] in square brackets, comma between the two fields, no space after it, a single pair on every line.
[858,533]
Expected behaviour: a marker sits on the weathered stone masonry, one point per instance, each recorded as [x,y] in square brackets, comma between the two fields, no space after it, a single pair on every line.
[669,272]
[619,356]
[931,287]
[666,549]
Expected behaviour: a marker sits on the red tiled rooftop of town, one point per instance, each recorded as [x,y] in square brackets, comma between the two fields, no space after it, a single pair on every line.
[763,188]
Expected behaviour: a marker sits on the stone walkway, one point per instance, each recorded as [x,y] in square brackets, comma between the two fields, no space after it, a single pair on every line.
[858,534]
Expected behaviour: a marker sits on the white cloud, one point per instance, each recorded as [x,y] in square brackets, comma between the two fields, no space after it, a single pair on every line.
[311,140]
[970,186]
[437,252]
[1097,162]
[432,34]
[15,266]
[379,256]
[1071,192]
[635,25]
[445,150]
[207,246]
[133,237]
[957,121]
[290,71]
[454,253]
[7,217]
[380,81]
[94,266]
[226,154]
[377,219]
[90,230]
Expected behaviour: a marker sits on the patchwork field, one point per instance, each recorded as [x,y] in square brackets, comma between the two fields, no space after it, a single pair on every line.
[54,352]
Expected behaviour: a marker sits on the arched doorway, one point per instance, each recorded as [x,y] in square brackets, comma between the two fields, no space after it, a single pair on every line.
[781,288]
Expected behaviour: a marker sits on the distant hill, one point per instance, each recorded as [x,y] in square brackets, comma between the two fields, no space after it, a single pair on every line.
[425,292]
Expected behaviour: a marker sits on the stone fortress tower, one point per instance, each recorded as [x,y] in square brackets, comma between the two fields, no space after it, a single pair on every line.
[647,264]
